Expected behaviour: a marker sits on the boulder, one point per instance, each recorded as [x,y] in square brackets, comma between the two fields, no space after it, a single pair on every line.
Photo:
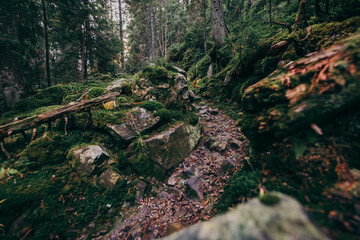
[170,147]
[271,220]
[136,121]
[119,85]
[195,184]
[167,87]
[109,178]
[86,159]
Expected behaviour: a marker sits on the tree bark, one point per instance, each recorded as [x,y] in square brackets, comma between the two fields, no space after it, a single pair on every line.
[301,15]
[248,5]
[317,8]
[47,54]
[121,38]
[270,12]
[83,55]
[204,21]
[152,29]
[218,22]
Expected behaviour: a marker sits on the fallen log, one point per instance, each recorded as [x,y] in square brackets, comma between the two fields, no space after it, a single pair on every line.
[35,121]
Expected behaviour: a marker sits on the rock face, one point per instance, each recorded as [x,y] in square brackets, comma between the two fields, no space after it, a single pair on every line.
[119,85]
[286,219]
[109,178]
[169,148]
[86,159]
[165,86]
[137,120]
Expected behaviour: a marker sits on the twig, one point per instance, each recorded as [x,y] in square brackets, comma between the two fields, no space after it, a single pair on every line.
[66,122]
[33,136]
[284,25]
[4,150]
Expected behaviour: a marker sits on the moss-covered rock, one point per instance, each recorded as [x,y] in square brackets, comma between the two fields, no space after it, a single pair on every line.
[135,122]
[167,149]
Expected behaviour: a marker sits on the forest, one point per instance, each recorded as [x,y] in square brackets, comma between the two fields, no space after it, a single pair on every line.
[180,119]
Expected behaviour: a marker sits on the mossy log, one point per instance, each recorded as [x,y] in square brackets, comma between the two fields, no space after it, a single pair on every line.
[34,121]
[311,90]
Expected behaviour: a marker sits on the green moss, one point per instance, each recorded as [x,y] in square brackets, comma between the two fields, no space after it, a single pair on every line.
[156,74]
[243,184]
[152,105]
[147,168]
[96,92]
[269,199]
[101,117]
[45,97]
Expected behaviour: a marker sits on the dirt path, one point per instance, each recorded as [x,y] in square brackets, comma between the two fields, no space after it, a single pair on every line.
[189,194]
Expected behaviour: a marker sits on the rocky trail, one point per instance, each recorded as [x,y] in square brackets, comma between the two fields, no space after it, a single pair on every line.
[190,193]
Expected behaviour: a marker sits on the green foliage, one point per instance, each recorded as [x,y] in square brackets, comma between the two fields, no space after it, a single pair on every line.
[152,105]
[243,184]
[46,97]
[101,117]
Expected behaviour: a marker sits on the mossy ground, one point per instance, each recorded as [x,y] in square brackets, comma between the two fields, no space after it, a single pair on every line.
[54,199]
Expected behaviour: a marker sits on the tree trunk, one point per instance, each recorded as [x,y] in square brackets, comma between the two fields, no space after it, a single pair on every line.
[83,55]
[152,49]
[270,10]
[317,8]
[218,22]
[327,4]
[248,5]
[121,38]
[47,54]
[301,15]
[204,21]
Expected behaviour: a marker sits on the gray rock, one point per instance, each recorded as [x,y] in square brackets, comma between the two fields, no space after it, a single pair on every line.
[189,172]
[195,184]
[171,147]
[218,144]
[164,195]
[11,95]
[227,164]
[137,120]
[234,143]
[141,186]
[86,159]
[109,178]
[285,220]
[118,84]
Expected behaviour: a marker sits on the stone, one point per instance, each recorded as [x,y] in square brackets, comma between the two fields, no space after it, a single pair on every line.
[173,227]
[86,159]
[170,147]
[137,120]
[189,172]
[118,85]
[109,178]
[285,220]
[141,186]
[171,181]
[195,184]
[11,95]
[227,164]
[227,78]
[173,93]
[234,143]
[218,144]
[164,195]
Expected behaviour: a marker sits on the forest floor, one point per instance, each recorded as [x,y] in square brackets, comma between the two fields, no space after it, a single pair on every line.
[191,192]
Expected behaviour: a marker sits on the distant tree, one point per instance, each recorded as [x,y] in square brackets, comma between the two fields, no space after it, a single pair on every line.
[218,22]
